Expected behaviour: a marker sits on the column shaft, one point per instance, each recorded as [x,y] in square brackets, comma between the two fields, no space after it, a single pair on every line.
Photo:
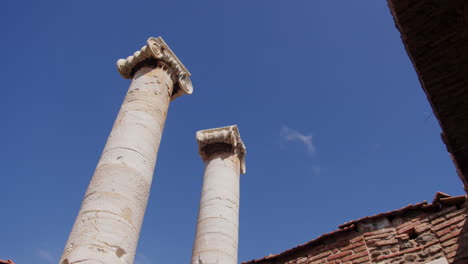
[109,221]
[216,237]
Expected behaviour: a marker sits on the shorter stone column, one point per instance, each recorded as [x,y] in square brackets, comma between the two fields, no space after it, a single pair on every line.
[216,238]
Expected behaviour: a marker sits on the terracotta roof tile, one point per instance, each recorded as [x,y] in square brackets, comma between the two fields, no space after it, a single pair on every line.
[389,213]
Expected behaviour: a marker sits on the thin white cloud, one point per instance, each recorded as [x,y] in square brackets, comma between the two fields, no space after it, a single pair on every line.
[317,170]
[47,256]
[289,134]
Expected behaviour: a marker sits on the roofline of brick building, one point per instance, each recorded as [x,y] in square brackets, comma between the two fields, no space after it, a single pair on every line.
[433,34]
[440,201]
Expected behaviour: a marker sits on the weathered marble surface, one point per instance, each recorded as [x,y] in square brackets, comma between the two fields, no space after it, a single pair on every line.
[157,49]
[216,239]
[108,224]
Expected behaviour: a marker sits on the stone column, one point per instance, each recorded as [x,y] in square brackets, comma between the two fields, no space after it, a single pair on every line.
[217,232]
[107,228]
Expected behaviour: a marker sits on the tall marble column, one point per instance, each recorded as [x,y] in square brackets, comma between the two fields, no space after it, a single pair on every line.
[107,228]
[217,232]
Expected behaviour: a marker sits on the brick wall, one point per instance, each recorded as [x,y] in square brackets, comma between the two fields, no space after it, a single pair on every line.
[418,239]
[428,233]
[434,34]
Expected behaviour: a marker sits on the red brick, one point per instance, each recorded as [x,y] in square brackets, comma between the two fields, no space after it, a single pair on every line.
[443,232]
[453,214]
[453,234]
[421,228]
[353,245]
[356,239]
[407,229]
[320,256]
[450,222]
[301,260]
[438,220]
[450,255]
[380,236]
[442,212]
[451,248]
[386,242]
[449,242]
[362,260]
[380,231]
[339,255]
[359,249]
[402,237]
[355,256]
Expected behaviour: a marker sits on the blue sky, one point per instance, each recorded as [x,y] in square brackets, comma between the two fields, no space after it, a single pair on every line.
[328,104]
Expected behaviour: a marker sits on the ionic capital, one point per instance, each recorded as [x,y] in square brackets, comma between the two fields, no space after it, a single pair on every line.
[225,139]
[156,50]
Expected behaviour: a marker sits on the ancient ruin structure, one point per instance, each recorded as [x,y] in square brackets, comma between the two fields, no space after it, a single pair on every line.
[109,221]
[108,224]
[423,233]
[216,238]
[434,35]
